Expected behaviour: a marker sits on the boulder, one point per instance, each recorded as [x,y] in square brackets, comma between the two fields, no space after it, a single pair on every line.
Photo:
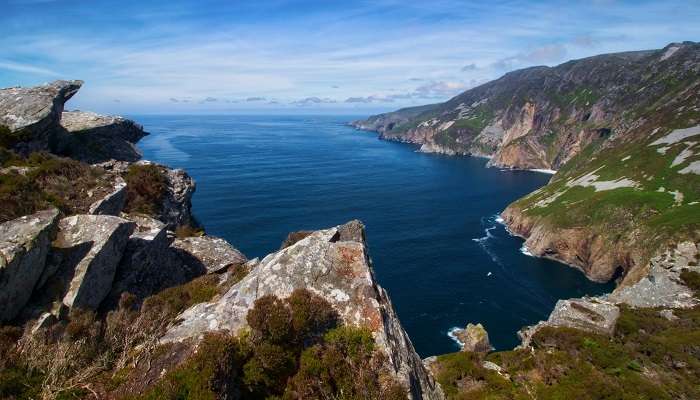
[338,270]
[85,256]
[148,264]
[591,314]
[474,338]
[113,202]
[211,253]
[95,138]
[32,114]
[24,245]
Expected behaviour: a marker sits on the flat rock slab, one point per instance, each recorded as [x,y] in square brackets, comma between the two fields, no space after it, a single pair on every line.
[36,108]
[90,248]
[24,245]
[211,253]
[95,138]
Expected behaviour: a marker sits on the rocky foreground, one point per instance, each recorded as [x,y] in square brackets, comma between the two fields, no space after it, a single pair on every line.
[114,253]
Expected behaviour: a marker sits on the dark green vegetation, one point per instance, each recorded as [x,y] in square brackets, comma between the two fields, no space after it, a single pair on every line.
[146,187]
[90,353]
[41,180]
[295,350]
[649,357]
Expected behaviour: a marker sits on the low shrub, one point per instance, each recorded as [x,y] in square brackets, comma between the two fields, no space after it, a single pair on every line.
[145,190]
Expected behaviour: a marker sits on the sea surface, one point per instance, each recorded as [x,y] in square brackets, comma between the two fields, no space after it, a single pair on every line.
[431,220]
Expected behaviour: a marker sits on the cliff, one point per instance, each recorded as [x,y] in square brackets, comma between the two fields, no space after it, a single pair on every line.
[542,117]
[621,129]
[104,274]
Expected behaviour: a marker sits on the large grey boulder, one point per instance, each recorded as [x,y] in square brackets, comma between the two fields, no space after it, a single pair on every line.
[591,314]
[24,245]
[113,202]
[338,270]
[86,253]
[177,205]
[211,253]
[95,138]
[33,113]
[148,264]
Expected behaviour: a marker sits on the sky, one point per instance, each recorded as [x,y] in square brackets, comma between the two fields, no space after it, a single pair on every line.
[288,56]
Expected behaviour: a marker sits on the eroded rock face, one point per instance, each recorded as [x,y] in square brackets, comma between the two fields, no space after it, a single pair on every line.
[600,259]
[24,245]
[95,138]
[148,264]
[474,338]
[87,250]
[211,253]
[589,314]
[177,204]
[35,112]
[334,264]
[662,286]
[113,202]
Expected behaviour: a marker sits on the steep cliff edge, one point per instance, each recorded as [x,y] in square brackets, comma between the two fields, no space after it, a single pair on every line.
[114,291]
[621,129]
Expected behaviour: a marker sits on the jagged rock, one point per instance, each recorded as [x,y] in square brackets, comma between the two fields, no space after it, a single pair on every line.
[211,253]
[95,138]
[24,245]
[33,114]
[148,264]
[589,314]
[339,271]
[178,201]
[294,237]
[112,203]
[662,286]
[474,338]
[86,253]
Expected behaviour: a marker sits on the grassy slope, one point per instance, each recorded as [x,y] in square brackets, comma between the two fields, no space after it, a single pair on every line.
[648,357]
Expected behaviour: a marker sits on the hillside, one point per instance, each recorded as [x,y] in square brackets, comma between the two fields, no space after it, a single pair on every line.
[622,129]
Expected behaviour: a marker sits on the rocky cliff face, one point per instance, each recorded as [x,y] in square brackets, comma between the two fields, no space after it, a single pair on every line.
[542,117]
[334,264]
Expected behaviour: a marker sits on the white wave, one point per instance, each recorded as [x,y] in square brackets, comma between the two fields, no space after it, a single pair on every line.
[544,171]
[452,334]
[525,251]
[489,274]
[499,219]
[487,236]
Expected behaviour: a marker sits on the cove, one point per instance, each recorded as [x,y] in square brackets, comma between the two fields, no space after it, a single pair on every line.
[434,238]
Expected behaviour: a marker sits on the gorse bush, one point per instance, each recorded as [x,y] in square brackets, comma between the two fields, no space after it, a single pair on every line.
[145,190]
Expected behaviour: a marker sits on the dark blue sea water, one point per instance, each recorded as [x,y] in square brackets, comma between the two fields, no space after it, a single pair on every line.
[430,219]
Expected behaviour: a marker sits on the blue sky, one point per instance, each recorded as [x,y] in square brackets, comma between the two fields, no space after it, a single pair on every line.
[212,56]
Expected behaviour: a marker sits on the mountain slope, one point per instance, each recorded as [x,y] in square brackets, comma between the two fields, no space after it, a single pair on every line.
[541,117]
[623,131]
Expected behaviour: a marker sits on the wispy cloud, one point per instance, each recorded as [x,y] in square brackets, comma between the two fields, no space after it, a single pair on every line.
[160,55]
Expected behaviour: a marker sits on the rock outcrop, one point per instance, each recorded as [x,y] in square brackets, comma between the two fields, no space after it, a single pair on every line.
[86,253]
[334,264]
[210,253]
[474,338]
[177,205]
[32,114]
[95,138]
[24,245]
[113,202]
[589,314]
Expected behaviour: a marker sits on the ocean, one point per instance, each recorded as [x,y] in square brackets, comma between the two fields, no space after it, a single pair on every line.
[434,237]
